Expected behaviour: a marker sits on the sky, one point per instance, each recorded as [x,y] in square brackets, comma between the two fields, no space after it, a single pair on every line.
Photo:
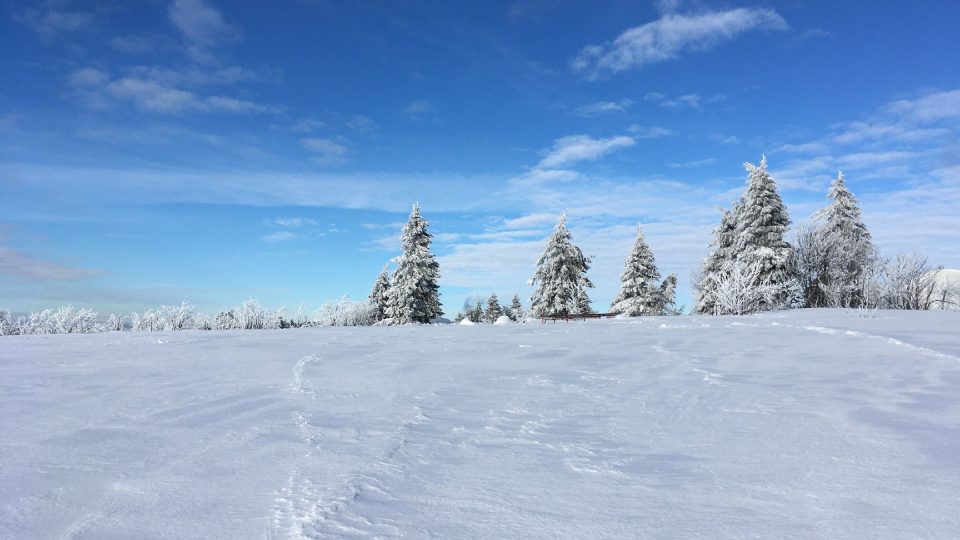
[165,150]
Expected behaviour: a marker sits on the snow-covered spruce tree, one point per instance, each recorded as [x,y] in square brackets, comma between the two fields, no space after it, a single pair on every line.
[494,311]
[414,294]
[561,278]
[848,250]
[668,296]
[380,295]
[476,313]
[640,287]
[722,253]
[516,312]
[762,222]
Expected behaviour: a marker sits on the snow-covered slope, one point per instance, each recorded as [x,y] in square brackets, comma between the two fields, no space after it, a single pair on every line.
[804,424]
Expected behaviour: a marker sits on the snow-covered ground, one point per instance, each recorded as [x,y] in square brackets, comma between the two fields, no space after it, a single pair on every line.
[802,424]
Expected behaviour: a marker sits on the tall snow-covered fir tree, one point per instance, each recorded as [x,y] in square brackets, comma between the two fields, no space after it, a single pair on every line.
[640,283]
[722,254]
[848,250]
[380,296]
[561,278]
[414,294]
[516,312]
[494,311]
[762,222]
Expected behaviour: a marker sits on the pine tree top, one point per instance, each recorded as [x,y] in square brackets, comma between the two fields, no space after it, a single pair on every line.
[762,218]
[843,214]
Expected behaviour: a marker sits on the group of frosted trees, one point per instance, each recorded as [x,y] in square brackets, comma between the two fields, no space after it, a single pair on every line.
[412,294]
[833,263]
[561,281]
[750,267]
[491,311]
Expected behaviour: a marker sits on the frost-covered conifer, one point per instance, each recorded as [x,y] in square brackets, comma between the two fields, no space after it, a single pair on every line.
[762,222]
[516,312]
[380,296]
[414,294]
[668,296]
[724,243]
[476,314]
[847,251]
[561,279]
[494,311]
[640,283]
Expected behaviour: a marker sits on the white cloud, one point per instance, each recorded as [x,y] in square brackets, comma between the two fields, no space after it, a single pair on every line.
[648,132]
[306,125]
[88,77]
[151,96]
[692,101]
[670,36]
[18,264]
[392,192]
[860,160]
[604,107]
[419,109]
[51,21]
[693,164]
[362,124]
[202,27]
[279,236]
[930,108]
[574,148]
[530,220]
[293,222]
[326,151]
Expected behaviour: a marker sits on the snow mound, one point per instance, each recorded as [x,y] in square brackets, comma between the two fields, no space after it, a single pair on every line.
[466,322]
[503,319]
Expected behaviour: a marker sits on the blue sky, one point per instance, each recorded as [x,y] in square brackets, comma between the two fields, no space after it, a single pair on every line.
[162,150]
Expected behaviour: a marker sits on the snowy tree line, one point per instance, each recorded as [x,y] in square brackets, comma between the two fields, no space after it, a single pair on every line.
[832,263]
[491,312]
[249,315]
[561,281]
[750,267]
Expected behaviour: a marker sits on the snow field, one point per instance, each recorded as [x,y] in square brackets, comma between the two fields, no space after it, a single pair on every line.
[808,423]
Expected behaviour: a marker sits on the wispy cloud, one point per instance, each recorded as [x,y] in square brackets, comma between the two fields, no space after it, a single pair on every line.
[19,264]
[202,27]
[53,20]
[693,164]
[692,101]
[419,109]
[279,236]
[293,222]
[150,95]
[648,132]
[362,124]
[929,108]
[306,125]
[604,107]
[670,36]
[326,151]
[574,148]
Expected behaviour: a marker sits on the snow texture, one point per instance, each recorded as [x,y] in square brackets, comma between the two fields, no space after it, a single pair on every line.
[800,424]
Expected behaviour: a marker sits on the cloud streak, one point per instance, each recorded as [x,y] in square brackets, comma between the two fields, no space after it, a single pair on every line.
[669,37]
[574,148]
[22,265]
